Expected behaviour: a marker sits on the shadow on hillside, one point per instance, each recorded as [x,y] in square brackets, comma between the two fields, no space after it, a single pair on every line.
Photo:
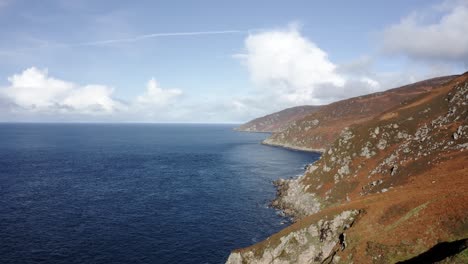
[439,252]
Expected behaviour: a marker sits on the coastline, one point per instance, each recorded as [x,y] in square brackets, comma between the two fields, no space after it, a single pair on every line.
[289,208]
[295,203]
[292,147]
[280,145]
[247,131]
[291,197]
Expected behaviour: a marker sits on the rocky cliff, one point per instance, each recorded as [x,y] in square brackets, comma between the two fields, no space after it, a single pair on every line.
[316,131]
[277,121]
[392,188]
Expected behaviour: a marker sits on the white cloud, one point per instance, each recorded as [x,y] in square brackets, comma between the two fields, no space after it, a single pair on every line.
[370,82]
[157,97]
[34,95]
[35,90]
[419,36]
[288,65]
[92,98]
[288,69]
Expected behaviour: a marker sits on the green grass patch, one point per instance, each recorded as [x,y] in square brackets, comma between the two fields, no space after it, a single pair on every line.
[413,212]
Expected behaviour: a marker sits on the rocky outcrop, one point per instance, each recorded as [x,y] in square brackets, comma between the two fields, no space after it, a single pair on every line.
[294,199]
[316,243]
[405,168]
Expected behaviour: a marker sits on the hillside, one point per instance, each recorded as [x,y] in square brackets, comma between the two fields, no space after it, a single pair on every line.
[316,131]
[392,189]
[277,121]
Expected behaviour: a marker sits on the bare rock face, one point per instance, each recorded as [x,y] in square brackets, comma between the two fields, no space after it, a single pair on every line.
[315,243]
[293,198]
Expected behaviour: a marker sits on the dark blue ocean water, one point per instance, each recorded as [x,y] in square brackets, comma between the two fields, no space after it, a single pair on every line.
[139,193]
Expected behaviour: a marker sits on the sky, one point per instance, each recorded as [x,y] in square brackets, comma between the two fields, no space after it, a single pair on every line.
[215,61]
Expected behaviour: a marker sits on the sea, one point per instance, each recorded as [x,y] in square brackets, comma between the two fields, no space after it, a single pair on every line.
[137,193]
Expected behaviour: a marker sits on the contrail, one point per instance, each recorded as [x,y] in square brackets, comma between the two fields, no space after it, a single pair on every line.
[155,35]
[132,39]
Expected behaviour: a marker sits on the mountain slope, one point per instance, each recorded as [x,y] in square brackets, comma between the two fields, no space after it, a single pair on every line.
[319,129]
[393,188]
[277,121]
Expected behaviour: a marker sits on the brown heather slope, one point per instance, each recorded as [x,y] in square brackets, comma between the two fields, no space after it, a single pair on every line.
[391,189]
[315,132]
[277,121]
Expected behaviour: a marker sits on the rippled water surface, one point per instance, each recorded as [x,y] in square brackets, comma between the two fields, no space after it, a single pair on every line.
[95,193]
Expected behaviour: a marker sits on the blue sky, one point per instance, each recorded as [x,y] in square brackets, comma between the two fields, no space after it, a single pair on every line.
[215,61]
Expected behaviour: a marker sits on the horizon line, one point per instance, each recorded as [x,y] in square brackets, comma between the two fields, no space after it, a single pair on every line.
[118,122]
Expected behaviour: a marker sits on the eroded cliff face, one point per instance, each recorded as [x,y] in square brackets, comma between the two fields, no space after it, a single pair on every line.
[294,198]
[405,171]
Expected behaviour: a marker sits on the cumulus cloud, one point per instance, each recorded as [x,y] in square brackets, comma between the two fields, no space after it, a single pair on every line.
[288,69]
[155,96]
[92,98]
[420,36]
[288,65]
[35,90]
